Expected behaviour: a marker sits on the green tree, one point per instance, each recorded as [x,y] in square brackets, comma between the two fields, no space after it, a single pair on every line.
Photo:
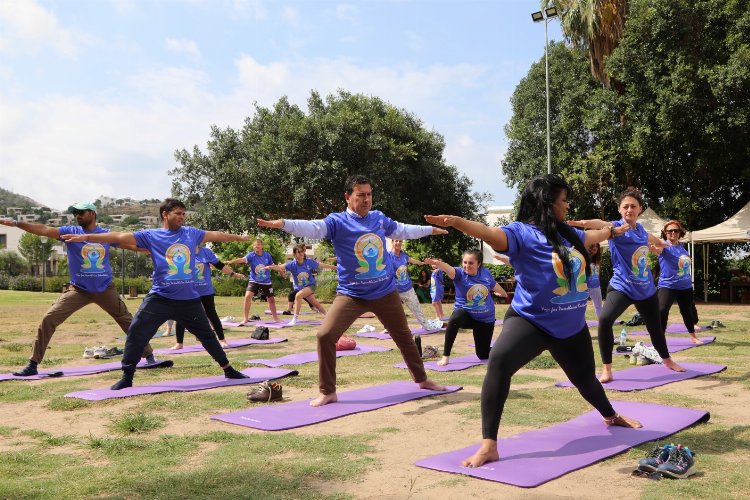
[288,163]
[31,247]
[131,220]
[12,263]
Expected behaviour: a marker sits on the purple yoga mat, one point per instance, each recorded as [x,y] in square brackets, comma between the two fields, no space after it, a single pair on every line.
[278,313]
[592,323]
[680,328]
[533,458]
[677,344]
[185,385]
[646,377]
[455,364]
[312,356]
[300,413]
[86,370]
[232,344]
[285,323]
[385,336]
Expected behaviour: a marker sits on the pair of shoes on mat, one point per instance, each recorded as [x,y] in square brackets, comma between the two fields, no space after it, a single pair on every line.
[286,313]
[266,391]
[228,319]
[640,349]
[366,329]
[717,324]
[430,352]
[102,352]
[90,352]
[433,324]
[675,461]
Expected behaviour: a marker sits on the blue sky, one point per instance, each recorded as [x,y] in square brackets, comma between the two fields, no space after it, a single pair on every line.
[96,95]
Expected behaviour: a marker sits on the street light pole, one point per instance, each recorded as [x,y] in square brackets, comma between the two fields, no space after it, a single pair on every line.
[43,239]
[545,16]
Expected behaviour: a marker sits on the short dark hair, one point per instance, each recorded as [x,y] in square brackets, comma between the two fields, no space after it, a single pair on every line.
[354,180]
[632,192]
[477,255]
[170,204]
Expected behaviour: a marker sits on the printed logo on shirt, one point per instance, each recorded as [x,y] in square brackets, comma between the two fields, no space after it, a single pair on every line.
[476,296]
[93,258]
[200,271]
[369,252]
[570,290]
[261,272]
[303,279]
[178,260]
[402,274]
[683,266]
[639,262]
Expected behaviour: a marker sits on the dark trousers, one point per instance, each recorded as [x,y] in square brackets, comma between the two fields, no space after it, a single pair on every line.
[614,306]
[684,298]
[154,311]
[520,342]
[482,332]
[213,317]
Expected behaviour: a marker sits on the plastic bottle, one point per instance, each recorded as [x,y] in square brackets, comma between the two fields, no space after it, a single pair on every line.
[623,336]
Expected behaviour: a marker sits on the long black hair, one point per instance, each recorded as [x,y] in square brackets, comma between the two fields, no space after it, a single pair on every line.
[537,199]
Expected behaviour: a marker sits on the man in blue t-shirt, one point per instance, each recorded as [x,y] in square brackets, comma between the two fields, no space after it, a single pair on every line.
[172,294]
[90,280]
[259,280]
[366,280]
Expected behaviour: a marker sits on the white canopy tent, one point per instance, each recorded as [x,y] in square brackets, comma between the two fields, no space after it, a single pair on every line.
[735,229]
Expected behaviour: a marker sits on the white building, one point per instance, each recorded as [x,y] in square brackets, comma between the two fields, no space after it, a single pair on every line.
[496,216]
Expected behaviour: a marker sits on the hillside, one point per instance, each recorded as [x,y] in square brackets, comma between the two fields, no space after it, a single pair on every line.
[10,199]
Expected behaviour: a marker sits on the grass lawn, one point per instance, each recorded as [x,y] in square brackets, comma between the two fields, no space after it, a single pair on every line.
[166,446]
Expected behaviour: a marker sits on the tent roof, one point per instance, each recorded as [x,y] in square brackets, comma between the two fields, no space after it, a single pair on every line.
[733,230]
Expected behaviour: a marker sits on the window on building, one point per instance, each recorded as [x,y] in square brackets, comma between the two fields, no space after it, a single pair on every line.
[3,241]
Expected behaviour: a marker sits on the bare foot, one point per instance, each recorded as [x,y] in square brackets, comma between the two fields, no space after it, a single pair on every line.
[224,343]
[443,361]
[486,453]
[324,399]
[696,340]
[178,345]
[606,374]
[672,365]
[432,386]
[622,421]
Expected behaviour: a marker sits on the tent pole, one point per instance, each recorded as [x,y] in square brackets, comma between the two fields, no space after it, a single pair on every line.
[705,272]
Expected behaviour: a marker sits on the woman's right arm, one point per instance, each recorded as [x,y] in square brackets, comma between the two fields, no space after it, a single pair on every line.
[494,236]
[447,269]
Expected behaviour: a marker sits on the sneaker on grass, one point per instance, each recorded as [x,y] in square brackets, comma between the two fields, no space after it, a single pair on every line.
[266,392]
[678,464]
[640,349]
[657,456]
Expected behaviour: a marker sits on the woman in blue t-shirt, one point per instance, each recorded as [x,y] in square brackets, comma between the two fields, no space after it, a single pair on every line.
[675,279]
[631,283]
[550,262]
[437,292]
[474,307]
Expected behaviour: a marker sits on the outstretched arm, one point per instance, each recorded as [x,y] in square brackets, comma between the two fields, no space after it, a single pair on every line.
[416,262]
[606,233]
[327,266]
[119,238]
[494,236]
[499,290]
[303,228]
[657,243]
[447,269]
[220,236]
[589,223]
[238,260]
[33,228]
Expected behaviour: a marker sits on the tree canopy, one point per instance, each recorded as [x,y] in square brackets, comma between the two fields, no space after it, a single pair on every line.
[288,163]
[676,131]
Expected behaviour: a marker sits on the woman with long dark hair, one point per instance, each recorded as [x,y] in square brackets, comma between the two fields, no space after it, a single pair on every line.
[550,262]
[631,283]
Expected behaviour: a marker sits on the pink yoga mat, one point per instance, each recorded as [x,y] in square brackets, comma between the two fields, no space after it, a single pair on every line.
[455,364]
[233,344]
[645,377]
[312,356]
[87,370]
[533,458]
[299,413]
[185,385]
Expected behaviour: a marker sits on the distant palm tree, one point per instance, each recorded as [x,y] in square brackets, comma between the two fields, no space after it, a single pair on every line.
[595,26]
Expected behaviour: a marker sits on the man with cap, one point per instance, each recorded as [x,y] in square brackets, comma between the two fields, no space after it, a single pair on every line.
[90,280]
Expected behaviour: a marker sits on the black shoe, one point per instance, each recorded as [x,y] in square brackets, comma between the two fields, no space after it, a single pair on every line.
[230,372]
[254,317]
[286,313]
[28,371]
[418,341]
[123,383]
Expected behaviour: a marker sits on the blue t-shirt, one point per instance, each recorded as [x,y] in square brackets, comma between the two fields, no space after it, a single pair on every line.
[474,294]
[593,281]
[631,274]
[364,266]
[258,272]
[204,257]
[88,262]
[302,274]
[674,268]
[400,265]
[544,294]
[172,253]
[436,285]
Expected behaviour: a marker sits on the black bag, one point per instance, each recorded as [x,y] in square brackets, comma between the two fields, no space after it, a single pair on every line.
[636,320]
[260,333]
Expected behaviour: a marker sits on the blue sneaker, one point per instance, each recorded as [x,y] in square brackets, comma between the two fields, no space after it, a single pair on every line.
[678,464]
[657,456]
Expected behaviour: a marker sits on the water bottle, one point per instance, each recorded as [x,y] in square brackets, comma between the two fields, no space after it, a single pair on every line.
[623,336]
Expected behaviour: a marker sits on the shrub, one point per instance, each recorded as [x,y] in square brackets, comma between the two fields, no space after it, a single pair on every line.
[327,282]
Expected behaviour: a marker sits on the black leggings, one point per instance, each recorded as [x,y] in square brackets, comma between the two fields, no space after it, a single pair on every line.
[685,302]
[482,333]
[520,342]
[614,306]
[213,318]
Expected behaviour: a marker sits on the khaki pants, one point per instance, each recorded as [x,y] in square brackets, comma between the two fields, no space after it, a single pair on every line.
[342,314]
[72,300]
